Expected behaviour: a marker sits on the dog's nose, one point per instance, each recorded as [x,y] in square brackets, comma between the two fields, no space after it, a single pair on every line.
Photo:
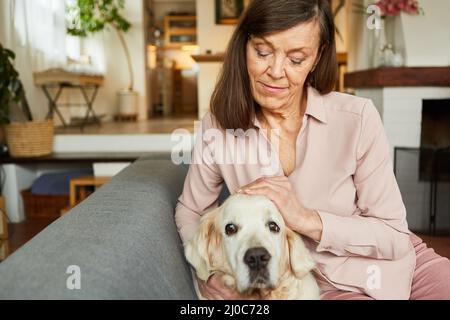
[257,258]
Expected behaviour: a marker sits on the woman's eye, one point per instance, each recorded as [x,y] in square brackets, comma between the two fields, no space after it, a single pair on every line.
[297,61]
[262,53]
[231,229]
[273,227]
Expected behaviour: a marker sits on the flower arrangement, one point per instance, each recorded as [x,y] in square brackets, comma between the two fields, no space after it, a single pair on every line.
[392,8]
[395,7]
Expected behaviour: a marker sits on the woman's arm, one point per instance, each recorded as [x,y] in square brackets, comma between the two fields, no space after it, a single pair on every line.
[379,230]
[201,188]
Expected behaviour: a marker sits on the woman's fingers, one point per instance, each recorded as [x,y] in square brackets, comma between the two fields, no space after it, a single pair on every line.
[221,289]
[209,292]
[284,184]
[265,191]
[273,190]
[267,181]
[214,289]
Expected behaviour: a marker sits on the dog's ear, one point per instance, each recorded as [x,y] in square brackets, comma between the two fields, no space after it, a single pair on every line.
[299,257]
[199,248]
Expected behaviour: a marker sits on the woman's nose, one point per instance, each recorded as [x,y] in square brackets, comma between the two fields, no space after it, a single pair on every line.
[276,68]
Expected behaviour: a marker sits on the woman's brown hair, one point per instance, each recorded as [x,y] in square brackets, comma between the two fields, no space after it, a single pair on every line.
[232,103]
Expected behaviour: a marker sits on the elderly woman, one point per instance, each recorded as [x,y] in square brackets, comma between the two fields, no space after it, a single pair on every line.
[331,179]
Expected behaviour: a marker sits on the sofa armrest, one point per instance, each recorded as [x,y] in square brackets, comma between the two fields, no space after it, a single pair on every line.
[123,239]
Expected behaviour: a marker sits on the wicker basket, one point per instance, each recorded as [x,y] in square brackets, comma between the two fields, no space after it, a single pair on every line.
[43,206]
[30,139]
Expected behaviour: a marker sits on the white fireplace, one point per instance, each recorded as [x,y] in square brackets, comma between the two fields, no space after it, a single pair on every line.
[400,109]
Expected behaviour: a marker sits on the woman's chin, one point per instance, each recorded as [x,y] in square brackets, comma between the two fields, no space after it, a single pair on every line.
[271,106]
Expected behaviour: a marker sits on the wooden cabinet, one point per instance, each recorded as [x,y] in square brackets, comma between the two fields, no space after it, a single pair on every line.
[180,30]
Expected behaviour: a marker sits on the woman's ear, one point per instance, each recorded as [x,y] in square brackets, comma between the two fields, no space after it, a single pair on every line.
[198,248]
[299,257]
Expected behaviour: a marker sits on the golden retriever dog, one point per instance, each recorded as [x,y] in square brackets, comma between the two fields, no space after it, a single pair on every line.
[247,240]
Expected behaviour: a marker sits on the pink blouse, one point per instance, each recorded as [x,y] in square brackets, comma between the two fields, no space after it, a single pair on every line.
[344,172]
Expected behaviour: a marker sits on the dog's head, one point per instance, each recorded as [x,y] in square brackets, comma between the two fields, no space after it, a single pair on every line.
[246,238]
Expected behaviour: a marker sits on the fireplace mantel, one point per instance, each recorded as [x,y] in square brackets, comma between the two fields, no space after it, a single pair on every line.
[399,77]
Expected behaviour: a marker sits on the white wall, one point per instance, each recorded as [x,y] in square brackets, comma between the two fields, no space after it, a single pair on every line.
[423,39]
[426,37]
[360,39]
[212,37]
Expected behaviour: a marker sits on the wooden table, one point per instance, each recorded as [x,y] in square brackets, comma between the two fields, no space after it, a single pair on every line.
[81,184]
[60,80]
[3,220]
[4,250]
[4,245]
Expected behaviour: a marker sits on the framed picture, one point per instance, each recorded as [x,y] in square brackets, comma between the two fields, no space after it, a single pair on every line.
[229,11]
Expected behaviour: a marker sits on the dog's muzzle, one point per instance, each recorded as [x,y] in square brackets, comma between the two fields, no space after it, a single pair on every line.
[257,260]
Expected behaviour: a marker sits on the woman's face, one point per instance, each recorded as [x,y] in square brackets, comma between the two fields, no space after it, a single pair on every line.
[278,64]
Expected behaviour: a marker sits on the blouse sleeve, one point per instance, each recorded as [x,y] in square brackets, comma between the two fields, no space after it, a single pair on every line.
[379,229]
[201,188]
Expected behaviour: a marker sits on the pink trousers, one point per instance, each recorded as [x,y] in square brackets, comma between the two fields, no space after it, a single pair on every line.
[431,279]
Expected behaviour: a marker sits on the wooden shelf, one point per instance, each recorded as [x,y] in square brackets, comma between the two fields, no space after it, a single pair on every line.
[183,26]
[84,157]
[399,77]
[217,57]
[57,75]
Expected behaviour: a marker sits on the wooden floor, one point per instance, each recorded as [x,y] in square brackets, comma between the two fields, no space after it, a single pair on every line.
[20,233]
[151,126]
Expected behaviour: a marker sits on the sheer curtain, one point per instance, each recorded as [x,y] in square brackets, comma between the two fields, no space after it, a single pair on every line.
[39,28]
[37,35]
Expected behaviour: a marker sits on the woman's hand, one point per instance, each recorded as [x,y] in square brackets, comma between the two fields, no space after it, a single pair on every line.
[215,289]
[298,218]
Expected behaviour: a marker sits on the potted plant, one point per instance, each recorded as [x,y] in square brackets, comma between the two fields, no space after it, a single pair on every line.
[24,136]
[86,17]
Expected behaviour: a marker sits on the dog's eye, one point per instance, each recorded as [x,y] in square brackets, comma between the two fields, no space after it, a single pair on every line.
[273,227]
[230,229]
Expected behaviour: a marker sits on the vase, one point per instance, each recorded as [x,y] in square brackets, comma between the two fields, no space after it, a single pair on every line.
[394,38]
[387,49]
[380,45]
[128,102]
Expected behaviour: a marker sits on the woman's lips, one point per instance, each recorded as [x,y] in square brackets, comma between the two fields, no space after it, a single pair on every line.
[272,89]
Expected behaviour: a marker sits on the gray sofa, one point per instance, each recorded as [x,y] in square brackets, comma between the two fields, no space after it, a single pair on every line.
[123,239]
